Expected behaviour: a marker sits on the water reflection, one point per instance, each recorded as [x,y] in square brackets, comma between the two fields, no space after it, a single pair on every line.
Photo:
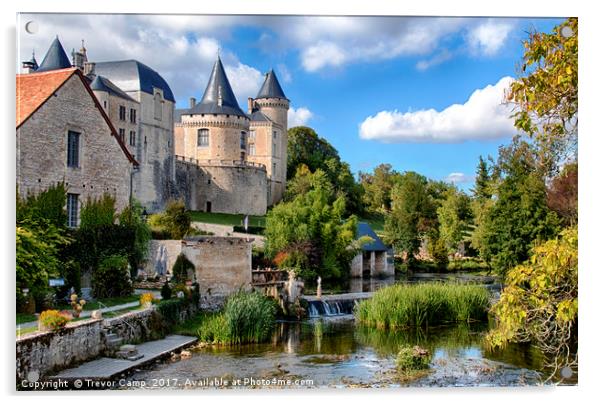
[336,352]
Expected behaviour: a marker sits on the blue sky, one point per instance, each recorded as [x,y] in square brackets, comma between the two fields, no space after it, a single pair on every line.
[381,90]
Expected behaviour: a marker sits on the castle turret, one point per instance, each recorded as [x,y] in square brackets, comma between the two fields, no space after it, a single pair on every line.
[30,65]
[55,58]
[269,124]
[216,126]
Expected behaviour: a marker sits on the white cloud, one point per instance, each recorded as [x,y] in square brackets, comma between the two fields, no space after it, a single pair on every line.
[481,117]
[488,37]
[437,59]
[164,43]
[284,73]
[322,54]
[245,81]
[458,178]
[299,116]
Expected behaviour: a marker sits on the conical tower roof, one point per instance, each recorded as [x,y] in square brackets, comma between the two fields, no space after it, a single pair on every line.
[55,58]
[271,87]
[219,97]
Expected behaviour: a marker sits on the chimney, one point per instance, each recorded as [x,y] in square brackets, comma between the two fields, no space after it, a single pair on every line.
[192,102]
[250,105]
[89,68]
[27,67]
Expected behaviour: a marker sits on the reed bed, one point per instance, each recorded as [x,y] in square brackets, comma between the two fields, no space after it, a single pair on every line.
[417,305]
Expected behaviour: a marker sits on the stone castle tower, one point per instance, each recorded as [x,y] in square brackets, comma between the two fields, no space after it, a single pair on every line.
[230,161]
[269,126]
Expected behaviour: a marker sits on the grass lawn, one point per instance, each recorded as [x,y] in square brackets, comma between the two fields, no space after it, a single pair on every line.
[25,318]
[226,219]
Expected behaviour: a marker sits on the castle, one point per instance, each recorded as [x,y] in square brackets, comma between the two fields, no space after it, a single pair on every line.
[213,155]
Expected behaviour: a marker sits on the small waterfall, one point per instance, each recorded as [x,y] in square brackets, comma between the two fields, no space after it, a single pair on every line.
[318,308]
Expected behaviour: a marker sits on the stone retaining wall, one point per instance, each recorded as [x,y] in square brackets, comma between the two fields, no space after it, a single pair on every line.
[45,352]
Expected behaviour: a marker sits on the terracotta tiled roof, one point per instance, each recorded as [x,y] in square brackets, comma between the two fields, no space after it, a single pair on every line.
[34,89]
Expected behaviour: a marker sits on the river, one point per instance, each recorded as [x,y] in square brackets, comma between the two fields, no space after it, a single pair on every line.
[333,351]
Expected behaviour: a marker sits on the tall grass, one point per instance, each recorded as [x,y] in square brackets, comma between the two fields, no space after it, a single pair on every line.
[246,318]
[417,305]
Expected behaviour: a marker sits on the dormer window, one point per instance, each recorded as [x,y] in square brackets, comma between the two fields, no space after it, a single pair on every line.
[243,140]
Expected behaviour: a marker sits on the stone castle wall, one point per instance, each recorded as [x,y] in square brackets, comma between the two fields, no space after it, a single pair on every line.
[42,148]
[154,181]
[222,264]
[222,186]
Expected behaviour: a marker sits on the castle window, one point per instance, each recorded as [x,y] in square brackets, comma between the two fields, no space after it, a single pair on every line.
[242,156]
[122,134]
[121,113]
[203,138]
[72,149]
[158,106]
[251,149]
[72,209]
[273,169]
[132,138]
[274,151]
[252,135]
[132,115]
[243,140]
[275,134]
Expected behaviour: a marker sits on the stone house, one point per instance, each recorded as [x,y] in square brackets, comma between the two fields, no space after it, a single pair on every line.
[375,258]
[140,105]
[63,134]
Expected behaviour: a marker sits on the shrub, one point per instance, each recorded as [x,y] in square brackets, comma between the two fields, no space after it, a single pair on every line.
[418,305]
[170,310]
[181,267]
[165,291]
[174,223]
[53,320]
[411,359]
[213,328]
[439,254]
[250,317]
[77,305]
[111,279]
[146,298]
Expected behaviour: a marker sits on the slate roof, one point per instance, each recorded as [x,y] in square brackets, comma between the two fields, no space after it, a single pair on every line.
[34,89]
[218,86]
[132,75]
[55,58]
[101,83]
[364,229]
[258,116]
[271,87]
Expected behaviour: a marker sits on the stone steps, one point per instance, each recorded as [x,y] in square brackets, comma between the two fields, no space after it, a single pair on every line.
[129,352]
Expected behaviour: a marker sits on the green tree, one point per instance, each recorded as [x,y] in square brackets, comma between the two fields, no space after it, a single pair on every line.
[310,233]
[482,189]
[540,302]
[454,217]
[519,218]
[377,188]
[306,148]
[546,96]
[412,216]
[132,219]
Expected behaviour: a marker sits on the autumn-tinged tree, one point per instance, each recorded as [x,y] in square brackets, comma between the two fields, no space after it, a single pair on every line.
[540,302]
[545,95]
[562,194]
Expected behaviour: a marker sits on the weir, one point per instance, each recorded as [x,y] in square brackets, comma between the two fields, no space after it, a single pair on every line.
[334,305]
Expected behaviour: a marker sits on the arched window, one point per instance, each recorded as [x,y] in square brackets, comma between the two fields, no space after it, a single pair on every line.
[158,106]
[203,137]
